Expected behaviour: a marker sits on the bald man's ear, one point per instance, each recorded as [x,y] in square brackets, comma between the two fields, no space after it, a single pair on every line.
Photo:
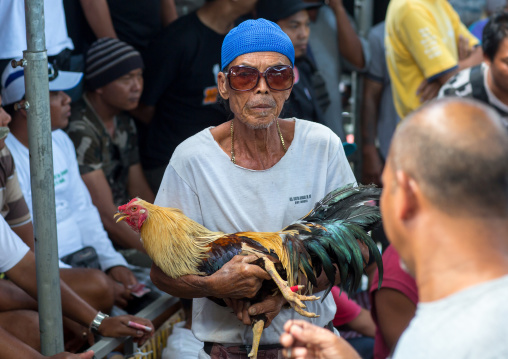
[222,85]
[409,190]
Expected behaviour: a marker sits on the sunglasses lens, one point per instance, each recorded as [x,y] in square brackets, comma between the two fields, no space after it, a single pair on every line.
[243,78]
[280,77]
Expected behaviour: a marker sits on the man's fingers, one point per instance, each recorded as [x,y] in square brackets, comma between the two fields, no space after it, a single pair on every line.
[422,86]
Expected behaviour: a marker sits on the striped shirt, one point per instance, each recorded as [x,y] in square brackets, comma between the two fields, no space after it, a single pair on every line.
[12,203]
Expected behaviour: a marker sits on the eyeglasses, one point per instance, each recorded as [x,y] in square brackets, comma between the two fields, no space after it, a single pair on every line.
[245,78]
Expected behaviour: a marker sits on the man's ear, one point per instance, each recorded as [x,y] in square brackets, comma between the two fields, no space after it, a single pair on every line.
[222,85]
[18,107]
[487,61]
[409,194]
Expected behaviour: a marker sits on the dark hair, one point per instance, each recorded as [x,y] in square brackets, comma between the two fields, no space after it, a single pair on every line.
[495,31]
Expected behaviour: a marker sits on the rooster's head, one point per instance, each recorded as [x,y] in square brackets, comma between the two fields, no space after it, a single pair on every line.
[134,213]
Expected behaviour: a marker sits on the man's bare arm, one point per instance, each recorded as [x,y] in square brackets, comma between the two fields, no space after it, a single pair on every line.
[99,18]
[350,45]
[102,198]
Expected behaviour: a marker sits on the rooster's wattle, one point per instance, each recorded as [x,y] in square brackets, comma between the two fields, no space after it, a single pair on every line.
[329,235]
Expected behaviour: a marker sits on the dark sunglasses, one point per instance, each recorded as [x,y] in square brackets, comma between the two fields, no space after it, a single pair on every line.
[245,78]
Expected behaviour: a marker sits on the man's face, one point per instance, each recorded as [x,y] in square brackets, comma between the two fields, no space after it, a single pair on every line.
[259,107]
[499,67]
[5,118]
[297,28]
[123,94]
[60,109]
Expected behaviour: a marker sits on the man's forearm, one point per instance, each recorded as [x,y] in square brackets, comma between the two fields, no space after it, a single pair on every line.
[350,45]
[474,59]
[189,286]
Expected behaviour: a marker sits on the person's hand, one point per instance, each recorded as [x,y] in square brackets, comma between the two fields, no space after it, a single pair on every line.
[303,340]
[124,280]
[118,327]
[123,275]
[372,166]
[464,49]
[428,90]
[238,278]
[270,306]
[86,355]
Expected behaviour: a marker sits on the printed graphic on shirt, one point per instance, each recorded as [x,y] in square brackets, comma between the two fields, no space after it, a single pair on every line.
[210,93]
[300,199]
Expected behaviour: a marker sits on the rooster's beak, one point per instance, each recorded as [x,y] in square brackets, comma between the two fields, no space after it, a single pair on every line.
[121,216]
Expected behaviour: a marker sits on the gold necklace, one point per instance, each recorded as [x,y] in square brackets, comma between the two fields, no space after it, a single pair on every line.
[233,145]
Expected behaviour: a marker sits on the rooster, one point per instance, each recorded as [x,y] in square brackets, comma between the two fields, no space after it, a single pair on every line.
[328,235]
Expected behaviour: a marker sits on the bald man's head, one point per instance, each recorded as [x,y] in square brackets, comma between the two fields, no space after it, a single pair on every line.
[457,151]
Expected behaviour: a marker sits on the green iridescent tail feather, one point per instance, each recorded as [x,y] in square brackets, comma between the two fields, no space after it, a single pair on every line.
[330,233]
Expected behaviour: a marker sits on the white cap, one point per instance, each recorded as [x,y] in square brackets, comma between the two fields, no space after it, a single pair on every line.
[13,82]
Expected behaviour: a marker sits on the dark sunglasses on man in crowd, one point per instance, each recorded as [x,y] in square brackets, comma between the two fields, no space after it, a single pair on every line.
[245,78]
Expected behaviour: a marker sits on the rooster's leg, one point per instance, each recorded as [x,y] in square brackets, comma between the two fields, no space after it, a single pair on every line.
[258,325]
[294,299]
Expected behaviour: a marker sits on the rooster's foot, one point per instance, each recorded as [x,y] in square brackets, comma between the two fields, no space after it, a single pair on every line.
[293,298]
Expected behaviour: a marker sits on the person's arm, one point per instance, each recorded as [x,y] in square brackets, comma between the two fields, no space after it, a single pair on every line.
[306,341]
[74,307]
[99,18]
[12,347]
[14,298]
[372,165]
[236,279]
[137,184]
[363,324]
[102,198]
[168,12]
[26,233]
[350,46]
[394,312]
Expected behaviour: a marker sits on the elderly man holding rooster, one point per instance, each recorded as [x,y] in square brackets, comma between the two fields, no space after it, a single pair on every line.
[256,172]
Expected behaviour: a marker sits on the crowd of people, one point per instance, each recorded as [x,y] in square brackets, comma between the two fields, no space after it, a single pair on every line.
[227,108]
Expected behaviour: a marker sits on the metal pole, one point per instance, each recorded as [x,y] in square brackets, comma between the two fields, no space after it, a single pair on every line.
[43,190]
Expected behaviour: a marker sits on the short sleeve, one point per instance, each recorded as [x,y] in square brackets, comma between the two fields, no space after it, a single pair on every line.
[347,309]
[421,37]
[13,248]
[18,210]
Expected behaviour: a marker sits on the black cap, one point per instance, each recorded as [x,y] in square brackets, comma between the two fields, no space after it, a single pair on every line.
[275,10]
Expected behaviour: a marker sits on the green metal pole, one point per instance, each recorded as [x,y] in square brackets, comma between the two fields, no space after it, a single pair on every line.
[41,169]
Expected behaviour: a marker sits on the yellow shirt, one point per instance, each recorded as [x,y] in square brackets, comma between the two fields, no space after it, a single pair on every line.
[421,41]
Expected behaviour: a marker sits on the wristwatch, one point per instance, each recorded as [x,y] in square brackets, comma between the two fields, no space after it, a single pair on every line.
[96,322]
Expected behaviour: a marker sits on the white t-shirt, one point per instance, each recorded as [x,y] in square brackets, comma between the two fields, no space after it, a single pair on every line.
[13,28]
[181,344]
[468,324]
[78,222]
[202,181]
[13,248]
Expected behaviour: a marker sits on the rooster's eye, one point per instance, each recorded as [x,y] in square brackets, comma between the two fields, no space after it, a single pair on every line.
[134,209]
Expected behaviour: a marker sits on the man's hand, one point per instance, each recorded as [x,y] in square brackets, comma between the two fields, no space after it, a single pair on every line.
[270,306]
[372,165]
[123,275]
[116,327]
[123,280]
[464,49]
[428,90]
[238,278]
[303,340]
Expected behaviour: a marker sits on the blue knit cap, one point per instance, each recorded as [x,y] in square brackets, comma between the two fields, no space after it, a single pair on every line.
[256,36]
